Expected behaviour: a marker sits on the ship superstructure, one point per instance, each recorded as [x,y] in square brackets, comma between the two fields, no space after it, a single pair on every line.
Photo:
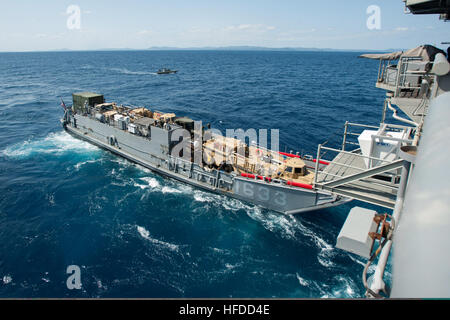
[403,168]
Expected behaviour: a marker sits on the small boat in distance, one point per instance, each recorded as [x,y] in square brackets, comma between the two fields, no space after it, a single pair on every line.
[166,71]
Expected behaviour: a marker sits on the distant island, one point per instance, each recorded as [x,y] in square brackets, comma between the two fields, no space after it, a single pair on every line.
[256,48]
[226,48]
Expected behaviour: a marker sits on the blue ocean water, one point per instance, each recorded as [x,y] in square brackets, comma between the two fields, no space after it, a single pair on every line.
[136,234]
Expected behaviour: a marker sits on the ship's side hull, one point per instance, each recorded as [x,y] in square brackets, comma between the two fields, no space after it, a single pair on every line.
[153,154]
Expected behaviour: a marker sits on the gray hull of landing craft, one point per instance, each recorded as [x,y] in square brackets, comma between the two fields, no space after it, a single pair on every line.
[153,154]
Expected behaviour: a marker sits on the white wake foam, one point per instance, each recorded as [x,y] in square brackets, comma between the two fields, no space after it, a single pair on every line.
[80,164]
[55,143]
[290,228]
[7,279]
[129,72]
[146,235]
[153,185]
[216,200]
[170,190]
[275,222]
[303,282]
[327,251]
[345,289]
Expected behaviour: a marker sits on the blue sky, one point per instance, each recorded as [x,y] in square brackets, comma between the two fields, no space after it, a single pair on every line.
[42,25]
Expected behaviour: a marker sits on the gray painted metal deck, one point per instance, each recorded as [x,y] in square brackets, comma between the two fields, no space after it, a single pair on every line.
[348,176]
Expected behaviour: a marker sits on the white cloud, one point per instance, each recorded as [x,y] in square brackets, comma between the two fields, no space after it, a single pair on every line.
[199,30]
[145,32]
[298,32]
[250,27]
[297,35]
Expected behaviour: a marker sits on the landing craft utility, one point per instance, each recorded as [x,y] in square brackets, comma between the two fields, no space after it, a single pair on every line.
[277,181]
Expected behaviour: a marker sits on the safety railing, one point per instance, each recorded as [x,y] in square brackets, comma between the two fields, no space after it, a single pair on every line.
[353,170]
[405,78]
[214,177]
[348,134]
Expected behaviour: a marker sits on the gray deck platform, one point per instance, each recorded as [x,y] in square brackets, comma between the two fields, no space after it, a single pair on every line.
[348,176]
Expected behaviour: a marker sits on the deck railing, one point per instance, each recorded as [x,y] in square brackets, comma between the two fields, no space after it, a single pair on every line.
[390,127]
[401,78]
[354,153]
[371,161]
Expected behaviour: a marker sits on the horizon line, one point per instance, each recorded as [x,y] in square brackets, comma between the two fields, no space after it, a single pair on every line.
[209,48]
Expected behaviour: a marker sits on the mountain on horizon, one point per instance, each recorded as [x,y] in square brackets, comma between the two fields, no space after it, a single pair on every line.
[226,48]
